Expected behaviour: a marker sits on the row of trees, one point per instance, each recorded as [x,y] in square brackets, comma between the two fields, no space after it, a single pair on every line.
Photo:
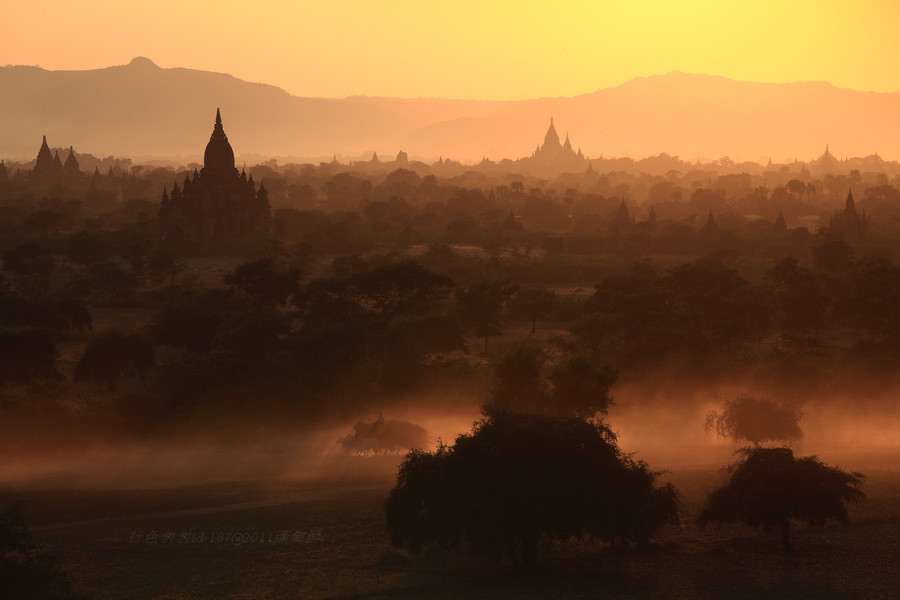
[394,321]
[536,469]
[707,307]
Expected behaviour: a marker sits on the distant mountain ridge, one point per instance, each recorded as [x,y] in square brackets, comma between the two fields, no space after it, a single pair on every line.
[140,109]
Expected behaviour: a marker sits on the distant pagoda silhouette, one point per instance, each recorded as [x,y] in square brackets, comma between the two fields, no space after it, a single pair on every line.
[553,155]
[218,200]
[827,163]
[851,223]
[622,222]
[49,170]
[46,168]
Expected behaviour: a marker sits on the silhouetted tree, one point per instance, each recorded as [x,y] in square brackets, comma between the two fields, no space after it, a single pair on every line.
[579,387]
[29,258]
[518,383]
[26,356]
[770,488]
[533,304]
[399,352]
[872,298]
[85,247]
[112,281]
[832,254]
[518,478]
[481,307]
[402,288]
[799,298]
[329,300]
[325,348]
[62,311]
[755,420]
[192,322]
[582,388]
[112,355]
[162,264]
[44,221]
[795,188]
[265,282]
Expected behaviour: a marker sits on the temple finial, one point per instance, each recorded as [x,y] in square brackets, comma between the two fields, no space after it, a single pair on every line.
[218,117]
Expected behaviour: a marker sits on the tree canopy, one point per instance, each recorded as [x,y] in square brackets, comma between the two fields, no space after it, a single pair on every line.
[755,420]
[573,385]
[770,488]
[518,478]
[112,355]
[264,281]
[481,307]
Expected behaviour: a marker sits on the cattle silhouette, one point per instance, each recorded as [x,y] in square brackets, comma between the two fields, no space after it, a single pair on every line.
[384,437]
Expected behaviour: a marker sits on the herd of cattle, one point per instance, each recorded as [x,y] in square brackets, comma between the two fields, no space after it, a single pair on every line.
[384,437]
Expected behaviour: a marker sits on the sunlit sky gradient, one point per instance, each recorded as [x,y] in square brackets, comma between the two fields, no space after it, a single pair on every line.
[467,49]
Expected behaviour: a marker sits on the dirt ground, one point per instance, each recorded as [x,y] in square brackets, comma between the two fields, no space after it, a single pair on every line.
[283,538]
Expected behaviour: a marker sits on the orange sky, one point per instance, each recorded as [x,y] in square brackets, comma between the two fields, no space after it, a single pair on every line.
[463,49]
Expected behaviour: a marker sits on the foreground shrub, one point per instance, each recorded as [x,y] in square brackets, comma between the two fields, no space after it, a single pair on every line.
[26,572]
[518,478]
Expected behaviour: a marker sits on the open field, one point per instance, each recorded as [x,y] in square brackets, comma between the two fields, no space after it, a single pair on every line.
[325,539]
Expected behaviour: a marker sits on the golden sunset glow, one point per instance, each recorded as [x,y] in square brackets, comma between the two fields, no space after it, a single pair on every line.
[496,50]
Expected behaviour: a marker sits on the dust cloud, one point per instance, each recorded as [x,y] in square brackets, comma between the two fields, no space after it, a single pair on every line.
[663,425]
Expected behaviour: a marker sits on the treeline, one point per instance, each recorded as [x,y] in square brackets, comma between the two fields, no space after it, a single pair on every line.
[366,330]
[408,207]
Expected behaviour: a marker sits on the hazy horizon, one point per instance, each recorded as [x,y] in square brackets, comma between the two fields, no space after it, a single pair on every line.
[693,116]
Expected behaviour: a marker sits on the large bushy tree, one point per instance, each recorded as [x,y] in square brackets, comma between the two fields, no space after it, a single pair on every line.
[112,355]
[265,281]
[516,479]
[193,321]
[573,385]
[481,307]
[771,488]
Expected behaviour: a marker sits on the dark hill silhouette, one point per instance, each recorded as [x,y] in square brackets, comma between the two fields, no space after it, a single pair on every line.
[142,109]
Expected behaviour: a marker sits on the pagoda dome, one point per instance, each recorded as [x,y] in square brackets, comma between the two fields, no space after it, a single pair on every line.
[218,156]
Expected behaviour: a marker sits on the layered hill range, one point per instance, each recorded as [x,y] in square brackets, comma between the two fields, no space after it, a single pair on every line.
[142,110]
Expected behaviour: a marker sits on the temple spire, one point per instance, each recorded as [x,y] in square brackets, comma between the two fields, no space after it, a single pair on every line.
[218,129]
[71,165]
[551,139]
[44,166]
[710,226]
[780,223]
[218,155]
